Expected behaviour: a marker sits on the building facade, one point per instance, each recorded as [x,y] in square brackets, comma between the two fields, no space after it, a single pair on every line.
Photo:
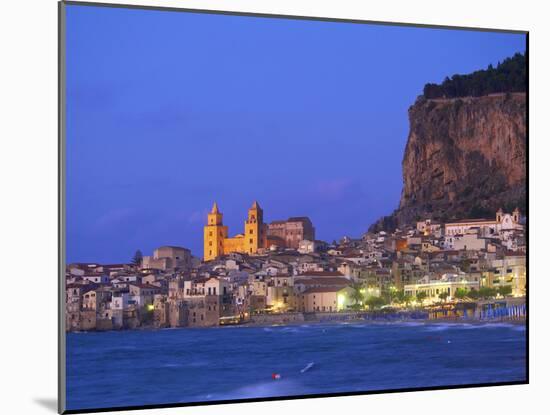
[217,242]
[448,284]
[503,222]
[292,231]
[257,235]
[168,257]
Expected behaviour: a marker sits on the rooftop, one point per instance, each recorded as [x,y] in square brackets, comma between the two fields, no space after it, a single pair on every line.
[322,290]
[321,274]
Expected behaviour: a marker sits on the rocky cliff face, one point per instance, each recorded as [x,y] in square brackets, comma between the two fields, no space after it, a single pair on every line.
[465,157]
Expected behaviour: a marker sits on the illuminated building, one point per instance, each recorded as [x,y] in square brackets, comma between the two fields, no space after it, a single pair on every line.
[217,242]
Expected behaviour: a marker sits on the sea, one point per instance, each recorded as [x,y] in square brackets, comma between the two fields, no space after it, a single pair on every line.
[172,366]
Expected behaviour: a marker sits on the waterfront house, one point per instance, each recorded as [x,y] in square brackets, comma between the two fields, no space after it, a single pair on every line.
[446,284]
[325,299]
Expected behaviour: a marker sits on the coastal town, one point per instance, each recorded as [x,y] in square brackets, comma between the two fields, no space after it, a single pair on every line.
[279,273]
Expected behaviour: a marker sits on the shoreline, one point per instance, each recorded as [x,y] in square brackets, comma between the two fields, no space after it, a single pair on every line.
[419,322]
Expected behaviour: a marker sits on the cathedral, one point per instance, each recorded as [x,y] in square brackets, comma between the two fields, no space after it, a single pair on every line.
[217,242]
[257,235]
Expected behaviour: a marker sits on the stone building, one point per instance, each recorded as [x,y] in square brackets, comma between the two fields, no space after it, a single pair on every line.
[325,299]
[446,284]
[168,258]
[292,231]
[217,242]
[511,270]
[257,236]
[503,222]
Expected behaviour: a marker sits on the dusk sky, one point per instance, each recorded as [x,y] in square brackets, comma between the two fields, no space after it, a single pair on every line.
[168,112]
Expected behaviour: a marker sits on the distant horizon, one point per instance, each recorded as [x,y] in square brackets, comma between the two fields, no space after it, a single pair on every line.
[307,117]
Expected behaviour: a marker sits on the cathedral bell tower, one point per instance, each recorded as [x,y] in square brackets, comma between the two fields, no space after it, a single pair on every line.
[254,230]
[214,234]
[500,213]
[516,215]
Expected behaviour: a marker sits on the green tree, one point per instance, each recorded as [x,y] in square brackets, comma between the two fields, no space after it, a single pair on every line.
[357,295]
[375,302]
[509,75]
[421,296]
[487,292]
[505,290]
[461,293]
[400,296]
[137,259]
[443,296]
[390,294]
[474,294]
[483,292]
[403,298]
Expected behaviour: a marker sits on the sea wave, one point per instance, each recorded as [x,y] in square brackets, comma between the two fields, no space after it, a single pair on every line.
[472,326]
[281,387]
[409,323]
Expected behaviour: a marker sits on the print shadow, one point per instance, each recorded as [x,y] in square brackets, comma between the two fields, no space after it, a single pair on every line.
[48,403]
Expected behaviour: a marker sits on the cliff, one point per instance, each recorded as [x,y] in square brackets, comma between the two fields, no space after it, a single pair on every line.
[464,158]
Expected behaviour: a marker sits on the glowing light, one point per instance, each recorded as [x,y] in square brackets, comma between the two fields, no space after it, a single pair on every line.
[341,301]
[150,307]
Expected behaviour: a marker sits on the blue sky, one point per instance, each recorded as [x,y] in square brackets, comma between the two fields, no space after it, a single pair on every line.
[167,112]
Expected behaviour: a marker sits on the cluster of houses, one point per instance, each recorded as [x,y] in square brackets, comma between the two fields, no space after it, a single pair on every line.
[171,288]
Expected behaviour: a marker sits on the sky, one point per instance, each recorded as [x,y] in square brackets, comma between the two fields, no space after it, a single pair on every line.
[168,112]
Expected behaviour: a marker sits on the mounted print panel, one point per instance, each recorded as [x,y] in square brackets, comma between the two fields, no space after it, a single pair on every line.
[263,207]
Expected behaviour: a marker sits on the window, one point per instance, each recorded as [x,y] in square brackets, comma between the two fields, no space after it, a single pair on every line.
[210,233]
[251,240]
[251,232]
